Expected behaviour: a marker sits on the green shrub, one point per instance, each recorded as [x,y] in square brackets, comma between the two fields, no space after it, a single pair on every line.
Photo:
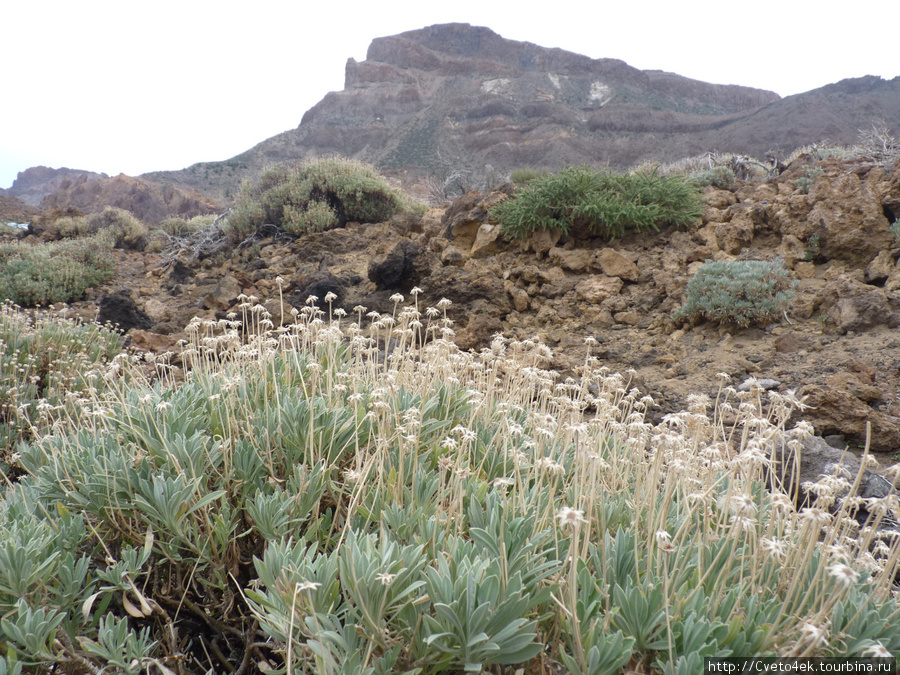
[43,274]
[742,292]
[175,226]
[118,228]
[895,230]
[7,230]
[527,174]
[721,177]
[318,195]
[600,203]
[70,227]
[804,183]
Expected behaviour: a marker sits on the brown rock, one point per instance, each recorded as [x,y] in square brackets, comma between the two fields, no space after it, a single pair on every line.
[466,215]
[835,411]
[718,199]
[597,288]
[224,295]
[485,240]
[452,256]
[848,217]
[479,332]
[881,268]
[520,298]
[853,305]
[805,270]
[157,310]
[630,318]
[792,251]
[788,343]
[852,384]
[735,234]
[147,341]
[542,241]
[576,260]
[615,264]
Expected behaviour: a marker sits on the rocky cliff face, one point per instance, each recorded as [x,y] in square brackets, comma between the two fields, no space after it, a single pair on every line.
[32,185]
[456,97]
[150,201]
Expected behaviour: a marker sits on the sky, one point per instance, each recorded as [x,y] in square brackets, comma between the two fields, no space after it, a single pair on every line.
[131,87]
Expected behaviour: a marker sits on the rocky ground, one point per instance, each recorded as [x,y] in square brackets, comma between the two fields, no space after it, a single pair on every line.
[837,346]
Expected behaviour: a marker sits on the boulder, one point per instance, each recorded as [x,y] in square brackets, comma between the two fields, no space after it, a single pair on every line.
[398,269]
[576,260]
[736,234]
[881,268]
[224,295]
[121,311]
[848,217]
[597,288]
[486,240]
[478,332]
[157,310]
[466,214]
[318,284]
[853,305]
[839,411]
[616,264]
[819,459]
[542,241]
[520,298]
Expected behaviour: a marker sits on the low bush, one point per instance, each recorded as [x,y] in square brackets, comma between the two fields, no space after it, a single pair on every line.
[118,228]
[527,174]
[600,203]
[721,177]
[179,227]
[741,292]
[43,274]
[318,195]
[328,498]
[45,367]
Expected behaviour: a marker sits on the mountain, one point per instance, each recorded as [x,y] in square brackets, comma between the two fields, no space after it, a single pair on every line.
[459,100]
[456,97]
[32,185]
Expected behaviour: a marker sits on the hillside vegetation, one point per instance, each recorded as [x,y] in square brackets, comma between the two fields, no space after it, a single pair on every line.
[353,494]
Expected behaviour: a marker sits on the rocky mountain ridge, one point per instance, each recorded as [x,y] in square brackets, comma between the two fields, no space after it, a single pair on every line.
[454,105]
[87,192]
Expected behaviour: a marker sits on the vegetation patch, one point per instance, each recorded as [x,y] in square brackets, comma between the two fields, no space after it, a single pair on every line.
[328,497]
[601,203]
[42,274]
[318,195]
[46,365]
[741,292]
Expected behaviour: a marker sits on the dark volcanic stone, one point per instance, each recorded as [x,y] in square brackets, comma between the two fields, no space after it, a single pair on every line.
[120,310]
[398,269]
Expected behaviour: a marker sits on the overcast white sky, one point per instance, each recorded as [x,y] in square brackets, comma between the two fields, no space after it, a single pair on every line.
[126,87]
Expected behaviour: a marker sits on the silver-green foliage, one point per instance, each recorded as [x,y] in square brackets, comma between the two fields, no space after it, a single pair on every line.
[740,292]
[43,274]
[318,195]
